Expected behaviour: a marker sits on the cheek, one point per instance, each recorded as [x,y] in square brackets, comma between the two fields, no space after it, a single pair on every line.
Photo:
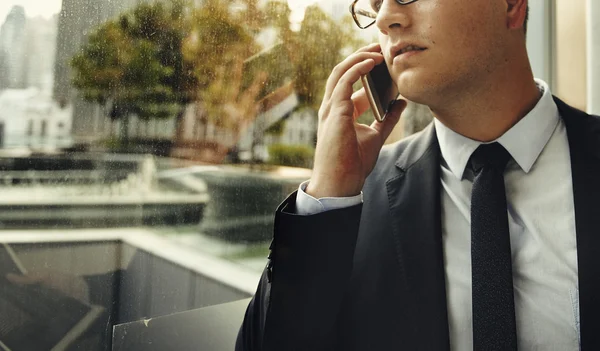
[461,46]
[461,28]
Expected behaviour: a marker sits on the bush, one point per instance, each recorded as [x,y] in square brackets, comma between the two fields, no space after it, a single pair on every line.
[113,144]
[291,155]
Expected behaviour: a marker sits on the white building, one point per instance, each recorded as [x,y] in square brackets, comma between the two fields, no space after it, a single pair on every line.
[300,128]
[30,118]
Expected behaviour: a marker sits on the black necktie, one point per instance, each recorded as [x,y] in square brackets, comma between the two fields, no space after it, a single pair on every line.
[494,325]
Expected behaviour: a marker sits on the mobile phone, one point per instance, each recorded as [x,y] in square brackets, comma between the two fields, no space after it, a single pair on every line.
[381,90]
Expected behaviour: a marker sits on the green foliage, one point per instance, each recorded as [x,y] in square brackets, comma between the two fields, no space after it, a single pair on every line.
[156,58]
[134,64]
[291,155]
[98,70]
[273,60]
[218,39]
[314,50]
[112,144]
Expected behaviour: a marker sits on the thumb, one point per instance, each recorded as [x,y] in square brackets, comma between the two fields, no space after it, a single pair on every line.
[392,118]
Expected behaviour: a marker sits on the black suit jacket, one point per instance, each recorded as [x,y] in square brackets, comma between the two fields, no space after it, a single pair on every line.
[371,277]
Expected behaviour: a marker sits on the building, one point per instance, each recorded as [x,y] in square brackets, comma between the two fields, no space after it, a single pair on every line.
[30,118]
[12,46]
[39,53]
[278,106]
[27,48]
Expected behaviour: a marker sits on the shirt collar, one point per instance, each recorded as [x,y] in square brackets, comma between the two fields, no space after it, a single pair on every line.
[524,141]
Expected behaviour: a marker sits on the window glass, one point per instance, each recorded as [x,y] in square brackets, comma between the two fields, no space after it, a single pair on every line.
[144,148]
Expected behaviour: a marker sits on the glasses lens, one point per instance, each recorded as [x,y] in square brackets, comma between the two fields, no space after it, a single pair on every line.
[365,12]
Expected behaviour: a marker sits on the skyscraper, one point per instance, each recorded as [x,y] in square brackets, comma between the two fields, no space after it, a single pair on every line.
[39,53]
[12,46]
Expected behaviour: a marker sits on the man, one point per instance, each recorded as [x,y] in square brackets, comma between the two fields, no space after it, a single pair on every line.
[480,233]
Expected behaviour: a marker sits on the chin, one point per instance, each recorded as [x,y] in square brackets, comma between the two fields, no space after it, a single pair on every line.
[415,87]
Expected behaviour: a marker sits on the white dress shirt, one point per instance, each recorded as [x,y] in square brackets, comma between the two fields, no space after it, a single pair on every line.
[541,216]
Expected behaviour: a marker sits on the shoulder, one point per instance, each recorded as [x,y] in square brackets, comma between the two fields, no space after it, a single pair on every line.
[583,129]
[576,117]
[398,157]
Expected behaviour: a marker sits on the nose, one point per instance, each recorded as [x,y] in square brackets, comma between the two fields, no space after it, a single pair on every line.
[392,16]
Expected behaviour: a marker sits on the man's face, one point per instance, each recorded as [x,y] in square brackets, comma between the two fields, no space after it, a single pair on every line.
[463,41]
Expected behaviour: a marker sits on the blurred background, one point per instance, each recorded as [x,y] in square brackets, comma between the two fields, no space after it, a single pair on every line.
[144,146]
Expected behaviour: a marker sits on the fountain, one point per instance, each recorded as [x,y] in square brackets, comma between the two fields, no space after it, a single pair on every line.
[95,191]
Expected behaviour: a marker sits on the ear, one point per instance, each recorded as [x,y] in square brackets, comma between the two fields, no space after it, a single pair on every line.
[516,12]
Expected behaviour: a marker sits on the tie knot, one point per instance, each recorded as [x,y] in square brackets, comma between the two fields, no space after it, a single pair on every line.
[490,155]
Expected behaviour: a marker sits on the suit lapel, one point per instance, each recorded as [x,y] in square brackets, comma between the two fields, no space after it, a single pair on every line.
[414,200]
[584,141]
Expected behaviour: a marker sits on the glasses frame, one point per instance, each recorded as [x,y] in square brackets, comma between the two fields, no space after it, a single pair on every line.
[355,18]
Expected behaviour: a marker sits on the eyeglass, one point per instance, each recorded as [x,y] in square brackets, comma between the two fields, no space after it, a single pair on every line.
[365,12]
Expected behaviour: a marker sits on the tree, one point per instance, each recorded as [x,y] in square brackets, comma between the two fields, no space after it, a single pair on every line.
[222,44]
[155,59]
[314,50]
[135,64]
[230,68]
[218,44]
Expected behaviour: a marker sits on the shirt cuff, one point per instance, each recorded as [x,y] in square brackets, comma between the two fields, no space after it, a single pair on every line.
[308,205]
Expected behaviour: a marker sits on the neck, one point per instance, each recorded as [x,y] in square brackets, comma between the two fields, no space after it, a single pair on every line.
[485,112]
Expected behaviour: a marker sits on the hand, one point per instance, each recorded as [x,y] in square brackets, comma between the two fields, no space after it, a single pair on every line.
[347,151]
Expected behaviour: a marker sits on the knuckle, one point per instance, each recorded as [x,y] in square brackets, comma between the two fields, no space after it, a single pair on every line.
[337,69]
[324,111]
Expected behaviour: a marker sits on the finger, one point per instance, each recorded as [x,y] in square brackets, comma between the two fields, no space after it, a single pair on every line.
[371,47]
[386,127]
[344,89]
[361,102]
[347,64]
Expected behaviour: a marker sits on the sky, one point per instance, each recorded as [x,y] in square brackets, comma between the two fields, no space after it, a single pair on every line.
[47,8]
[33,8]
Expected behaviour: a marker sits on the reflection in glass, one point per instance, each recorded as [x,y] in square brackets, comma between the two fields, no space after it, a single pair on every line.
[144,147]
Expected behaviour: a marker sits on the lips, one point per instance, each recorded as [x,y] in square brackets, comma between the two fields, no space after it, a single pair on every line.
[410,48]
[403,48]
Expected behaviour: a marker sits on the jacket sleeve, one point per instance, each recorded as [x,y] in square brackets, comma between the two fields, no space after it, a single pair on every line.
[302,288]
